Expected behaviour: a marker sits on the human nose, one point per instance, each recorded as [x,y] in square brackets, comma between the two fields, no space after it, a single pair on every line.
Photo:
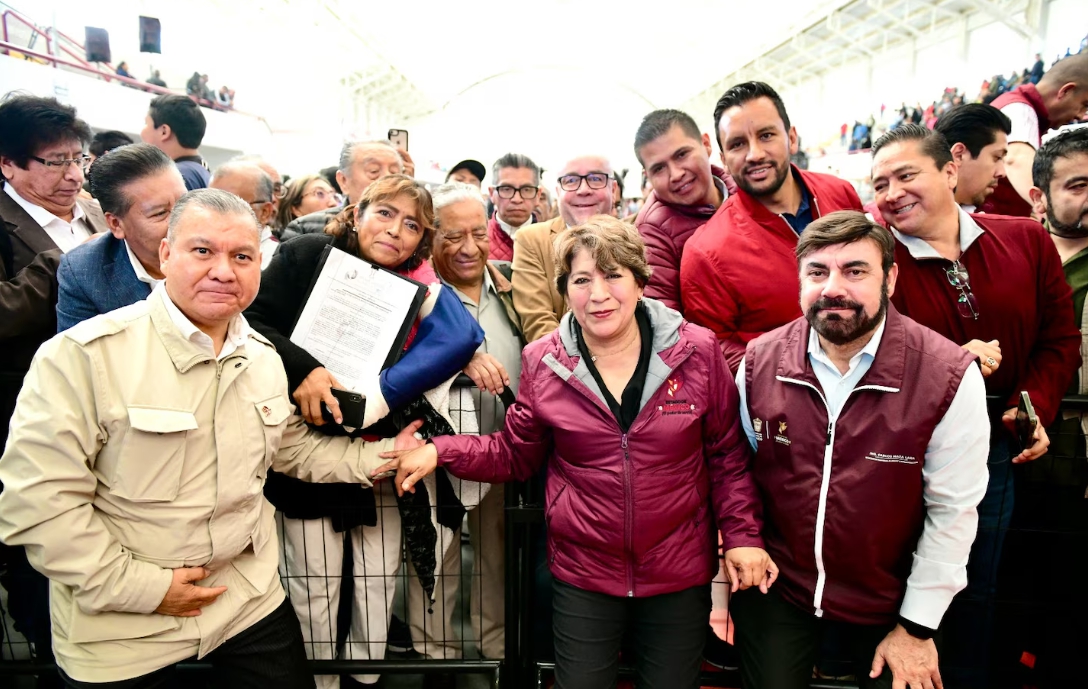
[755,151]
[74,172]
[834,286]
[999,171]
[222,269]
[598,291]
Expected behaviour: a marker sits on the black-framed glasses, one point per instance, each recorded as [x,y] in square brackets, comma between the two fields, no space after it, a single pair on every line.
[507,192]
[958,278]
[595,180]
[60,165]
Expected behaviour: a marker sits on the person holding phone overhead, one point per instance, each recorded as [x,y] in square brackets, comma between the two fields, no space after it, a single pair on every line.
[994,285]
[391,226]
[635,414]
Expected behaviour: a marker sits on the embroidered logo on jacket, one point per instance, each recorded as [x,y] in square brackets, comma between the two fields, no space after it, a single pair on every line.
[678,407]
[781,437]
[891,459]
[674,385]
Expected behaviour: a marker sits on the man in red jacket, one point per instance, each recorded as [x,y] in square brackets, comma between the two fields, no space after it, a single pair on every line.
[870,433]
[1060,98]
[738,275]
[993,284]
[687,190]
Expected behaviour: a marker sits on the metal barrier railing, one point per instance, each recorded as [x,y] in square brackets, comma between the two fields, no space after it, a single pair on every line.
[1038,604]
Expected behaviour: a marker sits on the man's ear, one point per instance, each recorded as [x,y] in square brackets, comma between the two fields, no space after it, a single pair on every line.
[1038,201]
[114,223]
[959,152]
[706,143]
[164,253]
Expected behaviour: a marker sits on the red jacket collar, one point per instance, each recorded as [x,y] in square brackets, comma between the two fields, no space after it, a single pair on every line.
[759,212]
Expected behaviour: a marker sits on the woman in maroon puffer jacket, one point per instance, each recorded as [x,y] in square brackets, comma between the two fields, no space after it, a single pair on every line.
[637,414]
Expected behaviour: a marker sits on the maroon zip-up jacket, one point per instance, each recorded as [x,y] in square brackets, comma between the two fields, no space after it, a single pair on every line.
[856,567]
[666,228]
[1023,300]
[636,513]
[738,275]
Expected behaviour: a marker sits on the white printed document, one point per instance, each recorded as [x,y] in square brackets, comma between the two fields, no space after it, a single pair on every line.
[357,317]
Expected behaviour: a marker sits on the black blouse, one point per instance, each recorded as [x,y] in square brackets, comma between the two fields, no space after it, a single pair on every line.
[627,408]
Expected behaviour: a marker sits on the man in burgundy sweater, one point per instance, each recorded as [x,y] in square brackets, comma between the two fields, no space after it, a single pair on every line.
[994,285]
[1060,98]
[738,274]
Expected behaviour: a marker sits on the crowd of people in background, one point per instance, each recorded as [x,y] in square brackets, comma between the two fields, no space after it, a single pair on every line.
[755,372]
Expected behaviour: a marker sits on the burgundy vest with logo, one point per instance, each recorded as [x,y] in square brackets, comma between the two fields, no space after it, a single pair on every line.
[874,510]
[1006,200]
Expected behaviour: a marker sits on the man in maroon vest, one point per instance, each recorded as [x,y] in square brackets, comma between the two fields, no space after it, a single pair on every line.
[738,275]
[869,432]
[516,181]
[1060,98]
[994,285]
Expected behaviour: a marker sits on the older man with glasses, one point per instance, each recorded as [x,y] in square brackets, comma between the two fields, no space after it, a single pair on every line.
[249,181]
[584,189]
[994,285]
[43,159]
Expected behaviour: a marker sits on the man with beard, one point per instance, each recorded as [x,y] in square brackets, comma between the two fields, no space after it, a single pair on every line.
[978,135]
[737,273]
[876,554]
[1060,197]
[993,284]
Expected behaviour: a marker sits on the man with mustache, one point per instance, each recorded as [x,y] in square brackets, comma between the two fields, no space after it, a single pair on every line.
[869,432]
[737,274]
[978,135]
[993,284]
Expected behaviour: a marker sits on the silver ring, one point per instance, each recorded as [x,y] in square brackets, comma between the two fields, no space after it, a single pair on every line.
[991,362]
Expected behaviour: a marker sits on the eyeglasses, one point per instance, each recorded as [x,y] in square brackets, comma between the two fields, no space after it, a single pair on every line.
[278,190]
[595,180]
[958,278]
[260,203]
[323,195]
[480,237]
[61,165]
[507,192]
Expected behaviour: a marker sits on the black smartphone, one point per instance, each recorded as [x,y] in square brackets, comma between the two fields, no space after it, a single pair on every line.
[352,408]
[399,138]
[1026,421]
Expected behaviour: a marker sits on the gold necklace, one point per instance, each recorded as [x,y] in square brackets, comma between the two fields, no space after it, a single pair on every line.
[594,357]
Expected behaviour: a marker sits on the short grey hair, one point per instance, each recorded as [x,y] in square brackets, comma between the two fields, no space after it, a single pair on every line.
[265,186]
[454,192]
[214,200]
[515,160]
[347,153]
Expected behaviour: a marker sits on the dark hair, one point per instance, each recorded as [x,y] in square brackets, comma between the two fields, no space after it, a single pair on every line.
[846,227]
[30,123]
[1063,145]
[384,188]
[182,115]
[659,122]
[933,143]
[515,160]
[329,173]
[741,94]
[111,173]
[104,142]
[974,125]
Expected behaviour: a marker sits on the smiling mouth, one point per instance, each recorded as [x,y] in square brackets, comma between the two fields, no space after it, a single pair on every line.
[904,209]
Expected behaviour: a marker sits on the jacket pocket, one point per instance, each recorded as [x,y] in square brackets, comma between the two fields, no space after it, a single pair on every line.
[273,413]
[112,626]
[153,454]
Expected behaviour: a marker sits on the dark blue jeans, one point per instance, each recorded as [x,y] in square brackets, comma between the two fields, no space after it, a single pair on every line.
[970,620]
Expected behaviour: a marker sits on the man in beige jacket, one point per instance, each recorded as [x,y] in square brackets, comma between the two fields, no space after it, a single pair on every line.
[135,467]
[584,189]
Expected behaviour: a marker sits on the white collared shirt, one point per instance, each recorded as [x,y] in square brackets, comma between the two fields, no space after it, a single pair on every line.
[920,248]
[269,244]
[66,235]
[237,330]
[954,478]
[141,273]
[510,229]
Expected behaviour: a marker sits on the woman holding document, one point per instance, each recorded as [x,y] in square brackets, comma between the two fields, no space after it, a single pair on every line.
[635,413]
[391,227]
